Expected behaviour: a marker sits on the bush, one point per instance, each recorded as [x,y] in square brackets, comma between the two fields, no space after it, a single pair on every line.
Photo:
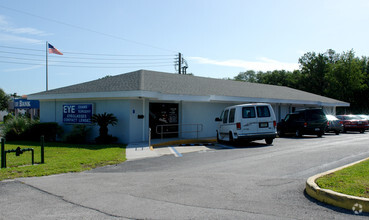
[49,130]
[108,139]
[103,120]
[78,135]
[23,128]
[7,117]
[16,128]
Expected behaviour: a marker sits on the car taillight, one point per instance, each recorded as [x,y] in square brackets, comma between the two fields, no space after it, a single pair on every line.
[305,124]
[327,123]
[238,126]
[341,122]
[274,123]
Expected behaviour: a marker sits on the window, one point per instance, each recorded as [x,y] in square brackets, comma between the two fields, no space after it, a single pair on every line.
[248,112]
[225,116]
[263,111]
[221,115]
[231,115]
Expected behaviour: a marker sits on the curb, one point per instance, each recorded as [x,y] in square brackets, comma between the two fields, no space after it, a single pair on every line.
[185,141]
[354,203]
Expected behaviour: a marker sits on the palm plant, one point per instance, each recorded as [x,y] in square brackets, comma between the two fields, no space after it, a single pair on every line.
[16,127]
[103,120]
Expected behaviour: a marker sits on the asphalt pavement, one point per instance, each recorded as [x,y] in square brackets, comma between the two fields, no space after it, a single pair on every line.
[214,182]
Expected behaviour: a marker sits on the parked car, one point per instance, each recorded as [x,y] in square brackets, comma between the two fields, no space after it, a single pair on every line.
[247,122]
[301,122]
[365,117]
[334,125]
[353,123]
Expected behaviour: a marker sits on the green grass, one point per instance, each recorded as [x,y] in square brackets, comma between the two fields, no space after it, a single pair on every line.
[59,158]
[353,180]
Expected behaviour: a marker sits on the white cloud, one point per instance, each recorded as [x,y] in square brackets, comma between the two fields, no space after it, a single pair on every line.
[7,27]
[3,21]
[24,69]
[15,39]
[11,33]
[265,64]
[30,31]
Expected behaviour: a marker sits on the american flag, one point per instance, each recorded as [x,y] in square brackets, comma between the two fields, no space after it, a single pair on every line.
[52,49]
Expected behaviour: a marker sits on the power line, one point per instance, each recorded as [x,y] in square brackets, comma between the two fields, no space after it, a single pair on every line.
[93,54]
[83,58]
[83,61]
[85,29]
[77,66]
[52,60]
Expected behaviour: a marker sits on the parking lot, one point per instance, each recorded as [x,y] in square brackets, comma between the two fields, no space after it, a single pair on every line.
[253,181]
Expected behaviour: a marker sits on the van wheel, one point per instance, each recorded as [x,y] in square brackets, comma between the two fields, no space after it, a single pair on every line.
[269,141]
[362,131]
[231,137]
[337,132]
[298,133]
[320,134]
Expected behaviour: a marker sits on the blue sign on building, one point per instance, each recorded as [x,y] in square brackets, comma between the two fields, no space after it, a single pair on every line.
[77,113]
[26,104]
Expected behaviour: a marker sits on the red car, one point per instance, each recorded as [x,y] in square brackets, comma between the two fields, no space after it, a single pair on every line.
[353,123]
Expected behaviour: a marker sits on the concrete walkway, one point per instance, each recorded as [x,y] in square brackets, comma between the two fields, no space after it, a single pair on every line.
[159,147]
[140,150]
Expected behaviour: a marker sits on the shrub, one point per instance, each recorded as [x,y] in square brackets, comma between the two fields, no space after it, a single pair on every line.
[7,117]
[108,139]
[103,120]
[49,130]
[15,128]
[78,135]
[23,128]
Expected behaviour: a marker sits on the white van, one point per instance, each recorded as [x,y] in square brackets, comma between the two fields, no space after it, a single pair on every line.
[247,122]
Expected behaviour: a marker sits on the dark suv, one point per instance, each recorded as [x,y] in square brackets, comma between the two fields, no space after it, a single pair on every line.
[307,121]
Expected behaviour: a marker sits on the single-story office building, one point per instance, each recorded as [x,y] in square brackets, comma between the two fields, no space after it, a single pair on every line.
[174,105]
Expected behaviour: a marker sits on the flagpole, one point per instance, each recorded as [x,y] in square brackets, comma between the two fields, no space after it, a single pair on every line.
[47,75]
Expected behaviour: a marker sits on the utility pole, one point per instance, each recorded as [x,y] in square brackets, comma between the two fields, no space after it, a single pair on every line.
[179,63]
[47,68]
[182,65]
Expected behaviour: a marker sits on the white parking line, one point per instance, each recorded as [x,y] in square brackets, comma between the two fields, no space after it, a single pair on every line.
[175,152]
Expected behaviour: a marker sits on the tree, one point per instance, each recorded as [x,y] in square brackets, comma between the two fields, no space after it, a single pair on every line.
[103,120]
[314,68]
[248,76]
[4,99]
[347,79]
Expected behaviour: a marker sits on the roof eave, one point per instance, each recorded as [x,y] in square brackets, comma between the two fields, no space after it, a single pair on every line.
[177,97]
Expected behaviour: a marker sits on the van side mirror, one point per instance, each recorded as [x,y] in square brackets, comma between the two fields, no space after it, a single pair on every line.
[218,119]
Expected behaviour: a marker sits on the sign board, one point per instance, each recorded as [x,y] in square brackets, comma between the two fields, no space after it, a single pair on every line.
[26,104]
[77,113]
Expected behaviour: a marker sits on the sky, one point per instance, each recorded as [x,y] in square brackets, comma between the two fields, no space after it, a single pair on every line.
[217,38]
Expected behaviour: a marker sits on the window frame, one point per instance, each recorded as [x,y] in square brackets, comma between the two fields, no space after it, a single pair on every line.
[260,111]
[232,114]
[249,107]
[225,116]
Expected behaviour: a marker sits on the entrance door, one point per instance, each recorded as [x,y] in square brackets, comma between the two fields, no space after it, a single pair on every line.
[163,120]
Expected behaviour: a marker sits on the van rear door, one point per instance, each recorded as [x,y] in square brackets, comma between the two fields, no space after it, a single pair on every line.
[266,119]
[249,121]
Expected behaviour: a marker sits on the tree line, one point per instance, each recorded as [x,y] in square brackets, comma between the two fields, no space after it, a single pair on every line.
[341,76]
